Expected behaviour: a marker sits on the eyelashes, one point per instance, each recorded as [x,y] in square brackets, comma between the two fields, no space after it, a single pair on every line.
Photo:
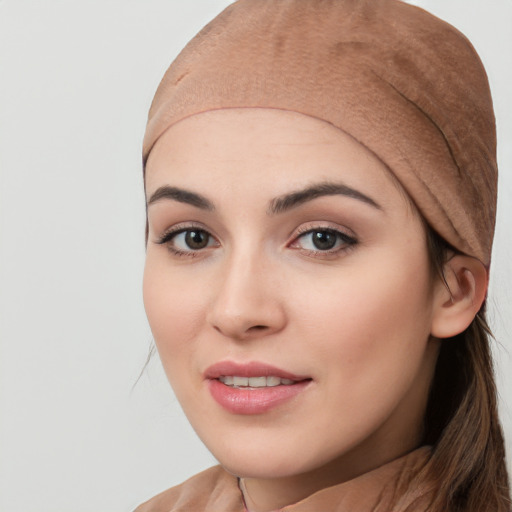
[193,241]
[323,240]
[187,241]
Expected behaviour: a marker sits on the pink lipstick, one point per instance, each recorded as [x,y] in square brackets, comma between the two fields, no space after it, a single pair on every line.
[252,388]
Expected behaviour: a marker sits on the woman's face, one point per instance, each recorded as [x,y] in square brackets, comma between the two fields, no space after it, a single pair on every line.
[288,290]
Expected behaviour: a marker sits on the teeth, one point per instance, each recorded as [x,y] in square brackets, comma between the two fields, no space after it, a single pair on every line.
[273,381]
[257,382]
[240,381]
[254,382]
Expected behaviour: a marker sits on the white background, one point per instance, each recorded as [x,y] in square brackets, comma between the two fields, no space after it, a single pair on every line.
[76,80]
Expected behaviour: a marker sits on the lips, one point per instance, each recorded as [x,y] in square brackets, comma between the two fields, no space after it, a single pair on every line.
[252,369]
[252,388]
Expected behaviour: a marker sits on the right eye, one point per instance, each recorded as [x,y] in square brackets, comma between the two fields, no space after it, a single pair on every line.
[188,241]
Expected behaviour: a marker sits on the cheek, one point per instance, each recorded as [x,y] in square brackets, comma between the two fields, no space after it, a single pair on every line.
[174,309]
[372,326]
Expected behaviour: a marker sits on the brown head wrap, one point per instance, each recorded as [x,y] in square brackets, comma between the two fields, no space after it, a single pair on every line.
[405,84]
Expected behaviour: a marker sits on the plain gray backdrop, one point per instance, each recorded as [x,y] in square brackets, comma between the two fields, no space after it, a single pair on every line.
[76,81]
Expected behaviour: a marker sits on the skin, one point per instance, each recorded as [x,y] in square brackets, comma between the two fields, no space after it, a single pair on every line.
[357,319]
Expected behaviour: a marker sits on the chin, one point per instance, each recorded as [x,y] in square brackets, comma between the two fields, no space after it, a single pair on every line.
[266,458]
[256,467]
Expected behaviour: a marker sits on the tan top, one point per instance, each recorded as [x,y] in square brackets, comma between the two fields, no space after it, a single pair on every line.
[216,490]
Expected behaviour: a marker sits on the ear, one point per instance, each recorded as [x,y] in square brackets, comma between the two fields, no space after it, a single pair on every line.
[458,300]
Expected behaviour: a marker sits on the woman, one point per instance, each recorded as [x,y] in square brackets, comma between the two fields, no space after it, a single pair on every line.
[321,187]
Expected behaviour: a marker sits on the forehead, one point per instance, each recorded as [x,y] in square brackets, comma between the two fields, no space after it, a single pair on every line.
[266,150]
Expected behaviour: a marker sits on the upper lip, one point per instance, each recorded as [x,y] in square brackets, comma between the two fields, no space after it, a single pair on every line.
[250,369]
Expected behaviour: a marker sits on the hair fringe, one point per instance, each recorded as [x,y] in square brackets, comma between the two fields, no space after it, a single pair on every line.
[151,353]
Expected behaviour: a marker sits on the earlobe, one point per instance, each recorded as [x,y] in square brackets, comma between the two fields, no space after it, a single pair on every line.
[460,297]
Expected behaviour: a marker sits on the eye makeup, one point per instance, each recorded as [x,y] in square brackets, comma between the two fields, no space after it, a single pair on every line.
[323,242]
[314,240]
[187,240]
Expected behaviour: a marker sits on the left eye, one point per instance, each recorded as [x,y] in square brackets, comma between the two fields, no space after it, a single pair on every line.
[323,240]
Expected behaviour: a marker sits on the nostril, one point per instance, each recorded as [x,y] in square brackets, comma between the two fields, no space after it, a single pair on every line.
[243,332]
[257,328]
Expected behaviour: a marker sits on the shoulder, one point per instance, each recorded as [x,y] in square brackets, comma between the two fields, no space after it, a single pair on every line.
[211,490]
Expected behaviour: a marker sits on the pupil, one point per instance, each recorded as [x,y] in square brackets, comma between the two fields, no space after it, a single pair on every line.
[196,239]
[324,240]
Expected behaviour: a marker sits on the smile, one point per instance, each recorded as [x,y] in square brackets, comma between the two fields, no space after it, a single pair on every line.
[255,382]
[253,387]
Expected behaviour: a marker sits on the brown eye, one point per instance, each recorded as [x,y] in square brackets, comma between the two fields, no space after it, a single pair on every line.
[190,240]
[324,240]
[196,239]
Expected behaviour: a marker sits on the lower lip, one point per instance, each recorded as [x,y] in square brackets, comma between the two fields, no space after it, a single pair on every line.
[253,400]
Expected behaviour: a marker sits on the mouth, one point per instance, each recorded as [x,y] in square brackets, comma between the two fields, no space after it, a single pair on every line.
[239,382]
[254,370]
[253,388]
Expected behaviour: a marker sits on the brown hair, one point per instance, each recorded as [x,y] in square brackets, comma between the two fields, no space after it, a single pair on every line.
[461,422]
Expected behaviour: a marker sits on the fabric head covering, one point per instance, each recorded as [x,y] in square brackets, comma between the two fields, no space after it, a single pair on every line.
[403,83]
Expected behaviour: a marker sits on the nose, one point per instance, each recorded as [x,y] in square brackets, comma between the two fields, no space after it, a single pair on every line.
[247,303]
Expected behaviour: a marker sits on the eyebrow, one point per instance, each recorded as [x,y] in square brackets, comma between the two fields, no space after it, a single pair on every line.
[288,201]
[182,196]
[278,205]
